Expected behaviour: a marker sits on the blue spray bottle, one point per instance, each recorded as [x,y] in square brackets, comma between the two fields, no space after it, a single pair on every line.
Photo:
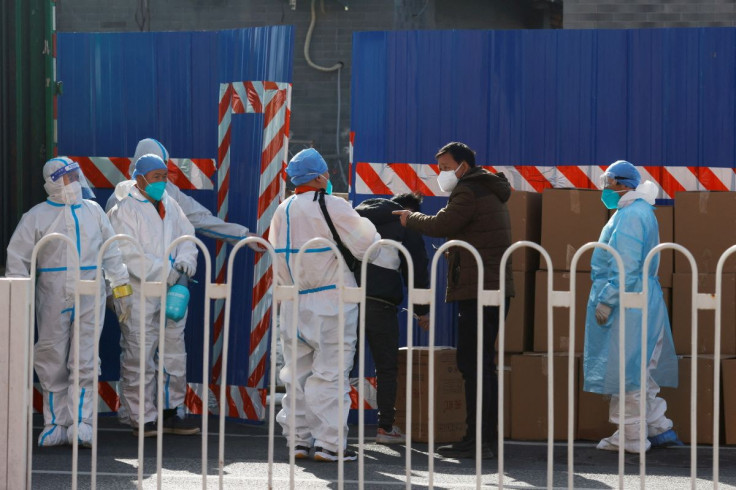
[177,299]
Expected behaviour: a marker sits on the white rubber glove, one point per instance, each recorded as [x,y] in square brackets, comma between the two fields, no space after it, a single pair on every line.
[184,268]
[602,312]
[256,246]
[174,276]
[123,307]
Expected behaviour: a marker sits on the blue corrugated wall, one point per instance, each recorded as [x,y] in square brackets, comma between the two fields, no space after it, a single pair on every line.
[588,97]
[120,88]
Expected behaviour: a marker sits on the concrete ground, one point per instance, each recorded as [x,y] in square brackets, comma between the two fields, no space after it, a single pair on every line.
[246,464]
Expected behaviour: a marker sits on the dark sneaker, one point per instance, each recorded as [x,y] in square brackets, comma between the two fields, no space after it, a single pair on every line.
[149,430]
[174,424]
[301,452]
[466,449]
[321,454]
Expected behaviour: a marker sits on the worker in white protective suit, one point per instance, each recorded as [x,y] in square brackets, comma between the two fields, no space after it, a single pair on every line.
[84,221]
[313,379]
[204,223]
[632,231]
[155,220]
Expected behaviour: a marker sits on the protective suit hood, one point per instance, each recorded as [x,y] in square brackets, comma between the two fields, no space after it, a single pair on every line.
[495,183]
[123,189]
[53,172]
[148,146]
[646,191]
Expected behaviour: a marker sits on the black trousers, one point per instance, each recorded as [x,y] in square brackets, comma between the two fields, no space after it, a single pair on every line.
[467,346]
[382,335]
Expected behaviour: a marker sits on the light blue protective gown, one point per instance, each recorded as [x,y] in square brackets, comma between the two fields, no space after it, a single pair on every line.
[633,232]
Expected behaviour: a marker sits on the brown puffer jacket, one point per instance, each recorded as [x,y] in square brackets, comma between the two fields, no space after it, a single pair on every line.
[476,213]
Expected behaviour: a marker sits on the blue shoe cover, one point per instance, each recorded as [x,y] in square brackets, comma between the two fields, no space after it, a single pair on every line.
[667,438]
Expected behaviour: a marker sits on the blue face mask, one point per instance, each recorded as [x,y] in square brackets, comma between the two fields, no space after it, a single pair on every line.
[156,190]
[610,198]
[328,189]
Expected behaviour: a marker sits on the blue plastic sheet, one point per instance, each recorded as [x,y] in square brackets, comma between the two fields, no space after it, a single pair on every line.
[122,87]
[545,98]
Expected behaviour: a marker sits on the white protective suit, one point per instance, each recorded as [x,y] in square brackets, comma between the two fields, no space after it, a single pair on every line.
[88,227]
[137,217]
[205,224]
[200,217]
[297,220]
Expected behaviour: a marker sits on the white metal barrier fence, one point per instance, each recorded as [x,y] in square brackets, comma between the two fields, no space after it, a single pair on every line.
[565,298]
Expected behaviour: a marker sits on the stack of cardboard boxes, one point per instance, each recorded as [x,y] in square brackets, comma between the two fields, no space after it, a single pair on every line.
[449,395]
[705,224]
[570,218]
[562,220]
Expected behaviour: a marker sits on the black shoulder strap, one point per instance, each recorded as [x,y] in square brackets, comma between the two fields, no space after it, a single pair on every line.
[350,259]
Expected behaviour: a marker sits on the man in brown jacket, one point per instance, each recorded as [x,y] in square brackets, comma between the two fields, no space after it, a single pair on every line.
[476,213]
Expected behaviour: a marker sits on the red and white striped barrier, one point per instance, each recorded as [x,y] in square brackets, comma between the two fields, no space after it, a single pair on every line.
[242,403]
[395,178]
[273,100]
[186,173]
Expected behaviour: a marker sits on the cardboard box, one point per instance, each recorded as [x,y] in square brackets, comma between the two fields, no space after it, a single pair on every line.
[728,375]
[506,401]
[570,218]
[561,316]
[705,224]
[681,313]
[529,376]
[665,218]
[520,318]
[525,211]
[592,415]
[667,295]
[449,395]
[678,401]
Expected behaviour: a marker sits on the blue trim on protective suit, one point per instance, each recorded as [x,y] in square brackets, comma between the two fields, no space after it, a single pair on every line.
[76,225]
[54,204]
[296,250]
[81,405]
[43,438]
[316,290]
[61,269]
[166,389]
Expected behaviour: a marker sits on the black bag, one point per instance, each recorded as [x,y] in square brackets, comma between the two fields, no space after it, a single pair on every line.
[350,259]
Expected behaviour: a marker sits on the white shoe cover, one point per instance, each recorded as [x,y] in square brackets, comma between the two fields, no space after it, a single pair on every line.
[52,435]
[611,444]
[84,436]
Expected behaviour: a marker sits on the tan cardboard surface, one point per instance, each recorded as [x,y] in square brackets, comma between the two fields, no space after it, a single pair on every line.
[705,224]
[678,401]
[665,218]
[520,318]
[561,316]
[529,404]
[728,375]
[449,395]
[525,211]
[570,219]
[592,413]
[682,308]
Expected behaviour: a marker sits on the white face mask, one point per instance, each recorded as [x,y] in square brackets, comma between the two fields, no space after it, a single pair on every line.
[447,180]
[72,193]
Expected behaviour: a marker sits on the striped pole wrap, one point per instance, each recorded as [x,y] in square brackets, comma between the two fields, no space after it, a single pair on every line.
[185,173]
[273,100]
[393,178]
